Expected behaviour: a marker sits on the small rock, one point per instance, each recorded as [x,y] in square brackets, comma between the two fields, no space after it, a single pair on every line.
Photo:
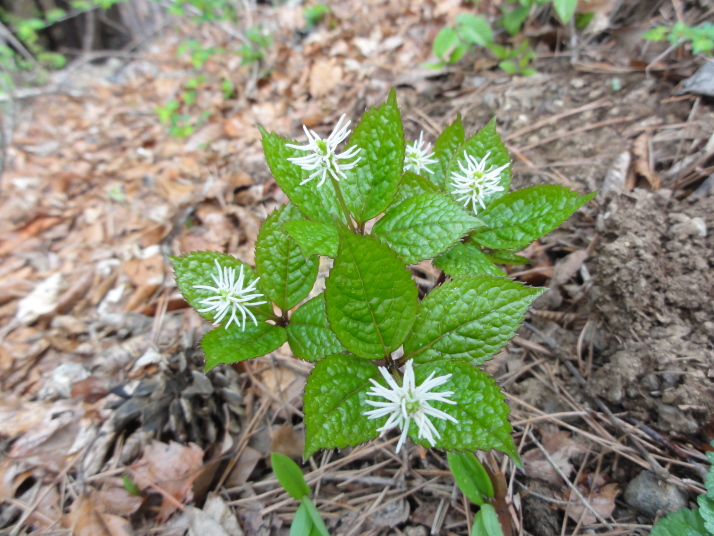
[647,494]
[700,226]
[416,530]
[578,83]
[674,419]
[650,382]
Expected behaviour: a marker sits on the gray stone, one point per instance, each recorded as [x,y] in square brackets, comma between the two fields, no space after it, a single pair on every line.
[648,495]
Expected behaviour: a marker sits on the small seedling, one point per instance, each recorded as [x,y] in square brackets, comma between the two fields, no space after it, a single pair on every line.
[700,38]
[474,482]
[257,46]
[514,60]
[307,521]
[452,43]
[314,15]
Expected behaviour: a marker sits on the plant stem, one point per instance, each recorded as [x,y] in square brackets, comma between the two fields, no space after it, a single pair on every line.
[342,203]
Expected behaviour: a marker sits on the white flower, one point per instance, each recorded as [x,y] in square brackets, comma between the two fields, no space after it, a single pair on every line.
[230,296]
[324,158]
[477,182]
[417,158]
[407,402]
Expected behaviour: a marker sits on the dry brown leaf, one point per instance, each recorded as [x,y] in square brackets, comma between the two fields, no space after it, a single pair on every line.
[284,384]
[641,161]
[41,301]
[17,416]
[204,136]
[560,448]
[602,499]
[215,519]
[324,76]
[88,518]
[52,442]
[117,500]
[32,229]
[287,442]
[176,191]
[171,468]
[244,467]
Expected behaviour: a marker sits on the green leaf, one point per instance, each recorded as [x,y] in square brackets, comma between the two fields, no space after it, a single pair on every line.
[565,9]
[334,403]
[709,479]
[319,203]
[411,185]
[317,522]
[473,29]
[470,476]
[371,298]
[289,475]
[196,268]
[480,410]
[285,273]
[445,42]
[466,259]
[130,486]
[520,217]
[444,149]
[226,346]
[503,256]
[583,19]
[309,332]
[684,522]
[314,238]
[370,187]
[508,66]
[702,44]
[514,19]
[458,52]
[486,522]
[424,226]
[706,510]
[485,141]
[302,524]
[468,319]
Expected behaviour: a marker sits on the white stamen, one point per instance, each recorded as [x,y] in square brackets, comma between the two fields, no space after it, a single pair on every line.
[407,402]
[477,182]
[324,158]
[230,296]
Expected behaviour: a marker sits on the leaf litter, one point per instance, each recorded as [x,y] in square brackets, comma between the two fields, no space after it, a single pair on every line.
[99,370]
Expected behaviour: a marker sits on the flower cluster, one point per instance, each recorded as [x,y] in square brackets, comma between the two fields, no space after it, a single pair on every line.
[407,402]
[477,182]
[417,156]
[324,158]
[230,295]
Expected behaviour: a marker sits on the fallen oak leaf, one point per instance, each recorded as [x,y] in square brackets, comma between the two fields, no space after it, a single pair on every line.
[170,470]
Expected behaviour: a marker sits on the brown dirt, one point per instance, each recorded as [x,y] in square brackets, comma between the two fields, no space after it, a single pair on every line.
[654,294]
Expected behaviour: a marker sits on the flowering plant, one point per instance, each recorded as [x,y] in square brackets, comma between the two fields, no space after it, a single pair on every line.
[384,358]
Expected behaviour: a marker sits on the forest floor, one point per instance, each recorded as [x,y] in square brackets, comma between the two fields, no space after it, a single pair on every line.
[100,372]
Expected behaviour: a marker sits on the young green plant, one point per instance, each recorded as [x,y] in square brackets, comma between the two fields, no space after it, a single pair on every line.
[474,482]
[307,520]
[384,359]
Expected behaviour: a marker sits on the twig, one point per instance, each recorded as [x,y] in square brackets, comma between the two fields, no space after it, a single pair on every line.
[660,471]
[555,118]
[568,482]
[569,133]
[661,56]
[7,35]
